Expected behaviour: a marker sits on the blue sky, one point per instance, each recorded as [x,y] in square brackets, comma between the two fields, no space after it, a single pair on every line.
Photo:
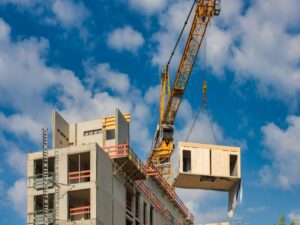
[86,58]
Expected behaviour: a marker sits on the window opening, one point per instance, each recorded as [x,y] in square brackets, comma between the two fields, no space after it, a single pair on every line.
[186,161]
[137,204]
[151,214]
[79,168]
[145,213]
[110,134]
[79,205]
[233,165]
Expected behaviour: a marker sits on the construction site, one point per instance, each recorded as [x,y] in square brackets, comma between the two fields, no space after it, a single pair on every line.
[91,175]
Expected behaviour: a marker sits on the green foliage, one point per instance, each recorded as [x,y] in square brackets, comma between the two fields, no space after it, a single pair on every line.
[282,221]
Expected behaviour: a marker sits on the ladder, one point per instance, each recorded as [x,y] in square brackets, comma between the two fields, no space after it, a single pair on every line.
[56,184]
[45,178]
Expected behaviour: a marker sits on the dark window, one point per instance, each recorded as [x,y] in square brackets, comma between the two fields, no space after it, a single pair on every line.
[145,213]
[137,204]
[186,161]
[110,134]
[128,222]
[151,214]
[128,200]
[233,165]
[92,132]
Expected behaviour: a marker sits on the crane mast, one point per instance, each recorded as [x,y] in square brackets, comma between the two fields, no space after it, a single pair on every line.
[163,145]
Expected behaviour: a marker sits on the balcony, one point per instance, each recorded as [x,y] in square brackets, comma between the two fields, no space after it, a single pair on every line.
[37,218]
[79,168]
[79,205]
[38,181]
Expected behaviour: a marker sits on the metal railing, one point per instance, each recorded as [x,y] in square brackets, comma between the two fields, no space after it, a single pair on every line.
[79,176]
[37,217]
[36,181]
[80,213]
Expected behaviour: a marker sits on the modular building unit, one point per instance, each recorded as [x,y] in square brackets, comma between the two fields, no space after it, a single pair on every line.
[204,166]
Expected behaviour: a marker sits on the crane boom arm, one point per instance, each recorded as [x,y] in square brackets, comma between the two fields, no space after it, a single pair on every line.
[204,12]
[163,146]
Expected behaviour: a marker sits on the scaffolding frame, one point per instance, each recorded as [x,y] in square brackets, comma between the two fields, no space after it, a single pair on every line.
[45,177]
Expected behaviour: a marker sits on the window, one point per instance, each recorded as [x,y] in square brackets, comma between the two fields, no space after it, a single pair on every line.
[145,213]
[128,200]
[92,132]
[128,222]
[110,134]
[79,205]
[233,165]
[137,204]
[79,168]
[151,214]
[186,165]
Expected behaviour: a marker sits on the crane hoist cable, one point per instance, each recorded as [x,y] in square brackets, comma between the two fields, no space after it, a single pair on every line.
[183,28]
[204,90]
[175,47]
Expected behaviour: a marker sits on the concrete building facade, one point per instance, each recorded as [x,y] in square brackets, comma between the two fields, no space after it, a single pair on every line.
[100,180]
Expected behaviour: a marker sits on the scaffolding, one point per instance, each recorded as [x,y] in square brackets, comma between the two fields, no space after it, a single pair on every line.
[56,190]
[45,177]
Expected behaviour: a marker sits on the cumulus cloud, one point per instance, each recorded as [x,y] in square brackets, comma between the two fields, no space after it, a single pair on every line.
[70,13]
[104,76]
[197,202]
[255,44]
[294,215]
[148,6]
[125,38]
[17,160]
[171,22]
[17,197]
[24,61]
[283,149]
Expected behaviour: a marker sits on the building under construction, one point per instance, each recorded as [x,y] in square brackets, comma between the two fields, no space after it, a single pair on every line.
[91,175]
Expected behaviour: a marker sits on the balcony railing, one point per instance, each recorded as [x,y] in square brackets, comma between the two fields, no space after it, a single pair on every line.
[37,217]
[36,181]
[79,176]
[80,213]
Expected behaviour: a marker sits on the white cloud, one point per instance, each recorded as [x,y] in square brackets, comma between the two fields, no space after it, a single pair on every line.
[283,149]
[125,38]
[255,44]
[104,76]
[294,215]
[17,196]
[171,22]
[70,13]
[21,125]
[197,202]
[42,86]
[148,6]
[17,160]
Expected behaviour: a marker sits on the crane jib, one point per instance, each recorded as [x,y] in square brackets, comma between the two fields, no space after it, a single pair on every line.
[201,20]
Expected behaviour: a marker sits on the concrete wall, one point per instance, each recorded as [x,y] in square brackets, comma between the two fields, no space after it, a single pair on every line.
[122,129]
[60,131]
[63,179]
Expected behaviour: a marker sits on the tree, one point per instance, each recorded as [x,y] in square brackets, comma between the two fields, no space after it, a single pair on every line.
[282,221]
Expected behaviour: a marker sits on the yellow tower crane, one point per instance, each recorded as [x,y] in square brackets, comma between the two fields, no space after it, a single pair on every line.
[163,145]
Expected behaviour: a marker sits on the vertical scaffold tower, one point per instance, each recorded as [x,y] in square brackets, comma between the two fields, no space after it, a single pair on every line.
[45,177]
[56,196]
